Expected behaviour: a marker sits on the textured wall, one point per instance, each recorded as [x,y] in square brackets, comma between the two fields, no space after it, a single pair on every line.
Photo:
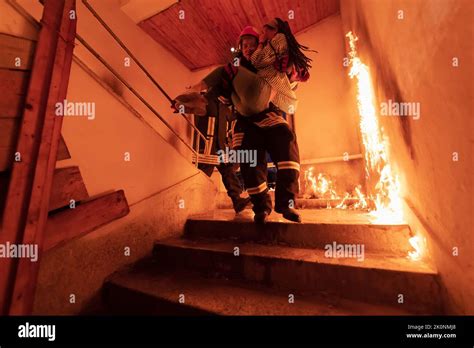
[410,55]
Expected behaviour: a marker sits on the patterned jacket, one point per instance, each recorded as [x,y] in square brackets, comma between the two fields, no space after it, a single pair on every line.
[264,59]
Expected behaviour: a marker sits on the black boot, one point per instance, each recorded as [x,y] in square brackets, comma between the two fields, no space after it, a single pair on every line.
[260,218]
[289,214]
[240,203]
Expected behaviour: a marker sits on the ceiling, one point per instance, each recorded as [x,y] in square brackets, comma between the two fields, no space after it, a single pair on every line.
[139,10]
[211,27]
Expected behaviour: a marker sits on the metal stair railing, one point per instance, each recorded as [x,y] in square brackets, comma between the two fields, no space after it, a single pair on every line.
[196,156]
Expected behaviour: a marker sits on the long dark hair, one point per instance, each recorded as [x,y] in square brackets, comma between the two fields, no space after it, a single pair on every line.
[295,50]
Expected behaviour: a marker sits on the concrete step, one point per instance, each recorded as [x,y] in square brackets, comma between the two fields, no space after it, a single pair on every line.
[145,289]
[377,279]
[319,229]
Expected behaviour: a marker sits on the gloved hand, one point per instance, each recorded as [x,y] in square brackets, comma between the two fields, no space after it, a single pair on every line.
[193,103]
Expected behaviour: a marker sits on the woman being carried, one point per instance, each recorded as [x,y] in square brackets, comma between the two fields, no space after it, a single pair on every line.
[280,61]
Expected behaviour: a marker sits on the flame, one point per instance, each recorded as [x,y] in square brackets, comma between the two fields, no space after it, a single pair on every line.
[386,198]
[343,204]
[362,202]
[386,206]
[320,186]
[417,243]
[384,202]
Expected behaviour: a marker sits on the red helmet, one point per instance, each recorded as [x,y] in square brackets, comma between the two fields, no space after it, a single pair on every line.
[249,30]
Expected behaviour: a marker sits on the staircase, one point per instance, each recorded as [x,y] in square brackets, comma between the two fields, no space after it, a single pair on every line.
[225,265]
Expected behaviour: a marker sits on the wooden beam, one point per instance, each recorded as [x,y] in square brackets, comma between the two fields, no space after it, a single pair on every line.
[13,92]
[16,52]
[27,273]
[22,174]
[86,217]
[67,185]
[27,203]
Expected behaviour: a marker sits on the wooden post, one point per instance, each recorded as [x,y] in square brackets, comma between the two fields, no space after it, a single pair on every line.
[26,207]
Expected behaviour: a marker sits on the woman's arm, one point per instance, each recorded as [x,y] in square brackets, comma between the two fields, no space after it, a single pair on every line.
[257,56]
[280,44]
[266,55]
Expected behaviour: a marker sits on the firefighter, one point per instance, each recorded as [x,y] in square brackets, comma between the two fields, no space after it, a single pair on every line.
[261,99]
[278,57]
[214,104]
